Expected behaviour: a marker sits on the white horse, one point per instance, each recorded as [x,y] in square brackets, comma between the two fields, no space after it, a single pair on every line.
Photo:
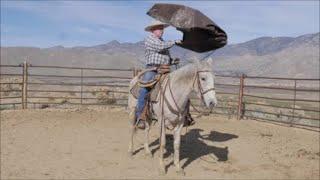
[171,109]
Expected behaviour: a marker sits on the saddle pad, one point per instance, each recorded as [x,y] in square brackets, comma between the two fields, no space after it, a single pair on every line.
[154,92]
[135,90]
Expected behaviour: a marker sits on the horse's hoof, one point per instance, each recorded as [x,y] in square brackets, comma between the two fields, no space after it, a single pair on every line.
[130,154]
[162,172]
[180,172]
[148,154]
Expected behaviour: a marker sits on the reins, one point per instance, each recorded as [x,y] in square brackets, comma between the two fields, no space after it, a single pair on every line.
[177,111]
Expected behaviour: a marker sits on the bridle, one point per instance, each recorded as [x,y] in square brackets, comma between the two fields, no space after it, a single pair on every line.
[177,110]
[201,90]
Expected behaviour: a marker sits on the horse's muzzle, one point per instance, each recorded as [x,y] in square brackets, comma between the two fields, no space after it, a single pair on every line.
[212,104]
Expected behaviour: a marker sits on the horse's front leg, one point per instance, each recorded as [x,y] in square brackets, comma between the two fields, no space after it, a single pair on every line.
[176,145]
[146,143]
[162,144]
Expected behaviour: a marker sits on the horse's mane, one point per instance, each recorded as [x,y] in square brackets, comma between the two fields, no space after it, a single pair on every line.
[185,73]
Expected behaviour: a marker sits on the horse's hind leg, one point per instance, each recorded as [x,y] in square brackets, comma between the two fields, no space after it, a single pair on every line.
[176,145]
[146,143]
[132,132]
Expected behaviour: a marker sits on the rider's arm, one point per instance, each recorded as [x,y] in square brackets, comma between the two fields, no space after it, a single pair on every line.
[157,45]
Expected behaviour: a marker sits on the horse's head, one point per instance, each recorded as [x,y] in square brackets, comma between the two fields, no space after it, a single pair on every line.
[204,83]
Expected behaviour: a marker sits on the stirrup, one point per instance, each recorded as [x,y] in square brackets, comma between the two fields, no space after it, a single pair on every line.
[140,124]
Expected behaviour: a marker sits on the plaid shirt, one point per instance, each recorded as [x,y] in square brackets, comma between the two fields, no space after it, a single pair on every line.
[157,50]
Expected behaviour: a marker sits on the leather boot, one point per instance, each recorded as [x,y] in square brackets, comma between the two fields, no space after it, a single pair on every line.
[141,124]
[143,117]
[189,121]
[138,123]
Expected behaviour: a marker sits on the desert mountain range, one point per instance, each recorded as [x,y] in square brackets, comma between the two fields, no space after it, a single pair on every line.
[266,56]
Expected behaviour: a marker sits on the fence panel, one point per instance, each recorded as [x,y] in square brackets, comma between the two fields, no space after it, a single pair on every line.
[275,99]
[61,86]
[11,83]
[283,100]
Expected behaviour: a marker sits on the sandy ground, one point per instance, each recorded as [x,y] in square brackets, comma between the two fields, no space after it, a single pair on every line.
[92,144]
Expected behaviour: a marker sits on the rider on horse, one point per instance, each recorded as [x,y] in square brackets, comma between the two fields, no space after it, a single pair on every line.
[156,54]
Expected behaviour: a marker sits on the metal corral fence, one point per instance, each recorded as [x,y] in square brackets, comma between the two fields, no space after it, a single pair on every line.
[291,101]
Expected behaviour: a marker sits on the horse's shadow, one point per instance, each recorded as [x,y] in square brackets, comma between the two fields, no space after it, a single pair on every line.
[193,146]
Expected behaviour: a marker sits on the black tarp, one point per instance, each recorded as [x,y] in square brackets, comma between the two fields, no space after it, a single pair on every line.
[200,34]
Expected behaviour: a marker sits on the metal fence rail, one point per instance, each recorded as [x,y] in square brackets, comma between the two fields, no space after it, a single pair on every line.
[41,90]
[287,112]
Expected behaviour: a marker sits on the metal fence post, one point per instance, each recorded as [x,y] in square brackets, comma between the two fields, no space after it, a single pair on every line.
[24,85]
[134,72]
[294,101]
[240,101]
[81,88]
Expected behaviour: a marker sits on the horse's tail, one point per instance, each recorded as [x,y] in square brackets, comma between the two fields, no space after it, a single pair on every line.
[132,101]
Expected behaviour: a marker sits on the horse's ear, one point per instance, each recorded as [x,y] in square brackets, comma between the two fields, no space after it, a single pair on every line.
[210,61]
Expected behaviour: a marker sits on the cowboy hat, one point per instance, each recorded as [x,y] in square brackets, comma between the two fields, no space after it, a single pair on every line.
[155,23]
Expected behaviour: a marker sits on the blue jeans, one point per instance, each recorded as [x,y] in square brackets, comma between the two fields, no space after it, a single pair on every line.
[143,92]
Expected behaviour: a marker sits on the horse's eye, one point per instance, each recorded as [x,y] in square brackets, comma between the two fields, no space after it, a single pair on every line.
[203,79]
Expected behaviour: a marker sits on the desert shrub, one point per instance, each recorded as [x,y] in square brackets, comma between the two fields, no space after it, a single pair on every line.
[93,93]
[43,106]
[105,97]
[72,93]
[107,100]
[4,107]
[63,101]
[51,99]
[7,88]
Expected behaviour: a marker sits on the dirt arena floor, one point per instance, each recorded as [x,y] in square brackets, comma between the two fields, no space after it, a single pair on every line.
[92,144]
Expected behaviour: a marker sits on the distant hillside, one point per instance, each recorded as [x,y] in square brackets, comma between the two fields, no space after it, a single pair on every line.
[78,56]
[282,56]
[268,45]
[265,56]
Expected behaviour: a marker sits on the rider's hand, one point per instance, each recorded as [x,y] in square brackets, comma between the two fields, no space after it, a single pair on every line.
[176,61]
[178,41]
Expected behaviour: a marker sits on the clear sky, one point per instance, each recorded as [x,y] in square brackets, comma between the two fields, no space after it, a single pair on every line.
[87,23]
